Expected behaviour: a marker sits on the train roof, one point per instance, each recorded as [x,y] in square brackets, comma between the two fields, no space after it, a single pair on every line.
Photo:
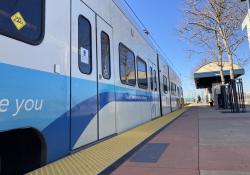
[134,21]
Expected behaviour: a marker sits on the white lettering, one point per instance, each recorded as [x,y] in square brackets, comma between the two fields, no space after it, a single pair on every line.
[4,103]
[29,105]
[18,107]
[26,105]
[38,107]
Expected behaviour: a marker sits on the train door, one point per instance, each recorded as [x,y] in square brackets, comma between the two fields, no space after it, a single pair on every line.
[153,88]
[106,79]
[84,123]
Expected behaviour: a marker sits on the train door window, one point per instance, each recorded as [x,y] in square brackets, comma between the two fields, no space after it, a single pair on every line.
[151,79]
[142,77]
[155,80]
[127,66]
[175,89]
[23,20]
[84,45]
[172,88]
[105,56]
[165,84]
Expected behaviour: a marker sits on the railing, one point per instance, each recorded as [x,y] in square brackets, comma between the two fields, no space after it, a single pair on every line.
[233,97]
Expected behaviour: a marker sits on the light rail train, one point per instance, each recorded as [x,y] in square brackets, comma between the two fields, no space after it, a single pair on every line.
[74,72]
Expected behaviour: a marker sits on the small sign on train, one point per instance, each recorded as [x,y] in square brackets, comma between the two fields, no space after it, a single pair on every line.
[18,20]
[84,55]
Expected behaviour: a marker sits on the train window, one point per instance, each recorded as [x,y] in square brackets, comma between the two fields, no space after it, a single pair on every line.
[105,56]
[175,89]
[84,45]
[23,20]
[151,79]
[155,80]
[165,84]
[142,73]
[172,88]
[127,66]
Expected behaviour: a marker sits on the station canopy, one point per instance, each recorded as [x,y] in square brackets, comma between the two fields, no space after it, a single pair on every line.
[209,74]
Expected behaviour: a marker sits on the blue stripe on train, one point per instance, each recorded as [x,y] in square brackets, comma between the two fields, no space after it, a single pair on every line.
[83,113]
[20,84]
[53,121]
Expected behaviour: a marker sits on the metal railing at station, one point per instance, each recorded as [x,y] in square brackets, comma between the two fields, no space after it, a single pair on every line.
[233,96]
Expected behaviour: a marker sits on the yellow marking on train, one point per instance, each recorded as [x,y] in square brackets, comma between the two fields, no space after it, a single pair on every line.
[97,158]
[18,20]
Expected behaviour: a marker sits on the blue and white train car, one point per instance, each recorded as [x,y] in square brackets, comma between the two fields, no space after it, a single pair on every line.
[74,72]
[175,89]
[165,86]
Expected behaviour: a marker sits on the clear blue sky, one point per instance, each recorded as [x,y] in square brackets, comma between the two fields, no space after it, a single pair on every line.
[162,18]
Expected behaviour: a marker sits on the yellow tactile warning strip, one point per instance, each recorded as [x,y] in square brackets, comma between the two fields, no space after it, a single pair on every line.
[97,158]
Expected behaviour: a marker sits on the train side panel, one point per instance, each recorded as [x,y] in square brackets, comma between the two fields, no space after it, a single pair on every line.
[133,103]
[165,88]
[57,86]
[35,83]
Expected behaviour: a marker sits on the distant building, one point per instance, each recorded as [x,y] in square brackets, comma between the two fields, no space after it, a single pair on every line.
[208,77]
[247,96]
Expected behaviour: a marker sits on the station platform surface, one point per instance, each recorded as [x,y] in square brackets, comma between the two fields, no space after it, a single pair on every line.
[103,157]
[203,141]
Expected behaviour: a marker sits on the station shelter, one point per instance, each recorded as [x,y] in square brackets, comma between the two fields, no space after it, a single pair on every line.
[208,77]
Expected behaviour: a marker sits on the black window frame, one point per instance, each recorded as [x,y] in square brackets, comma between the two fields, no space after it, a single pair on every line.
[165,86]
[123,45]
[91,49]
[146,72]
[42,34]
[103,32]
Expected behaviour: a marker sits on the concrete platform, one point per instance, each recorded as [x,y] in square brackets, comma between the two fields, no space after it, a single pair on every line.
[203,141]
[101,157]
[224,142]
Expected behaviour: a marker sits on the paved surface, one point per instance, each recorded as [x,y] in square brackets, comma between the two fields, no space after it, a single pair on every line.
[204,141]
[101,156]
[224,143]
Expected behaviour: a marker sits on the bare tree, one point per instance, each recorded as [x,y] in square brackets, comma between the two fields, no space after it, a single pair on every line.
[219,22]
[229,15]
[210,43]
[215,48]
